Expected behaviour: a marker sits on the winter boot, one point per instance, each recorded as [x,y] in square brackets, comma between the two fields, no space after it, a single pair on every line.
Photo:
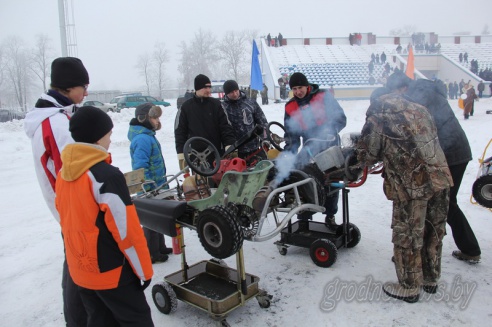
[471,259]
[395,290]
[430,287]
[330,222]
[159,258]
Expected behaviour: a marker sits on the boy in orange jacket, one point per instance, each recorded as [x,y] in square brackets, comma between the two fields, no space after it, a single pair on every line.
[106,250]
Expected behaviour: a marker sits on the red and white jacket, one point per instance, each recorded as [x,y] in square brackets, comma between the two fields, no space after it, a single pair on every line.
[48,130]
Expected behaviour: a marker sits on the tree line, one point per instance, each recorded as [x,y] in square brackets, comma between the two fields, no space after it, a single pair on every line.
[24,69]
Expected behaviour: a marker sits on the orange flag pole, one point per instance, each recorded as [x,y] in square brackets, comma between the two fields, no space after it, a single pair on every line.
[410,64]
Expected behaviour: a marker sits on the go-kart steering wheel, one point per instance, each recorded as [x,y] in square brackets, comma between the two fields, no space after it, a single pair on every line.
[273,138]
[199,161]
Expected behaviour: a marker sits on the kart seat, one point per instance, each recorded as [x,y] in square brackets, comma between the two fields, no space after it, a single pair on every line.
[159,215]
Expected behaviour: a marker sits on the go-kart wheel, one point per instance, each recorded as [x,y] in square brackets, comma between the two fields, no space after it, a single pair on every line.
[277,141]
[164,298]
[219,232]
[282,251]
[354,235]
[323,252]
[201,161]
[482,191]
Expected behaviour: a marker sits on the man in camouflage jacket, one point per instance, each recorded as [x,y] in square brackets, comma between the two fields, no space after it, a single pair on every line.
[403,136]
[244,114]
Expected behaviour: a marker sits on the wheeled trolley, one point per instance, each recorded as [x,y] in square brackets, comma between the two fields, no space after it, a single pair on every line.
[211,286]
[323,241]
[208,285]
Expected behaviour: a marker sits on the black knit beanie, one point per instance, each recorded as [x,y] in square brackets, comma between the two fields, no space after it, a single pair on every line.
[89,124]
[230,86]
[67,72]
[200,81]
[298,79]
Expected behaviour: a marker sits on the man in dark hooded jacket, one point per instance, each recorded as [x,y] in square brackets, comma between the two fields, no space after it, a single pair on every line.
[457,150]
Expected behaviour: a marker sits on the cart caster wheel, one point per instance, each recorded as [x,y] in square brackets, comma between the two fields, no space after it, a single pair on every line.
[164,298]
[282,251]
[323,253]
[265,304]
[223,323]
[264,299]
[354,235]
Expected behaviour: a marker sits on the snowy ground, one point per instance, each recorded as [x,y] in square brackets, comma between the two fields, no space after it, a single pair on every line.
[346,294]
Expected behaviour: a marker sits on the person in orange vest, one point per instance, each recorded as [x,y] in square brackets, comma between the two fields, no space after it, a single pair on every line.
[105,246]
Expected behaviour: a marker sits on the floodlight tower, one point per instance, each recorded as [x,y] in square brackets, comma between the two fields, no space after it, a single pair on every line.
[68,36]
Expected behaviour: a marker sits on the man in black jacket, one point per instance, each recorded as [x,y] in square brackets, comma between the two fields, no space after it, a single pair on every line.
[457,150]
[202,116]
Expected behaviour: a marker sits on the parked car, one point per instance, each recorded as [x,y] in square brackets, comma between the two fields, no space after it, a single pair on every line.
[129,101]
[9,115]
[103,106]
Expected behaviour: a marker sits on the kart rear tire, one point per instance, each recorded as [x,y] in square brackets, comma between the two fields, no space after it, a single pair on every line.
[164,298]
[323,253]
[482,191]
[219,232]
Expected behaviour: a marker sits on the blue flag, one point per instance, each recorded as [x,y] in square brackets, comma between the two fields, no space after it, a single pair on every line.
[256,79]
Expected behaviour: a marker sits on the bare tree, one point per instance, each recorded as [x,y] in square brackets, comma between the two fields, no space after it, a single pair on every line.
[17,69]
[160,57]
[199,57]
[232,50]
[403,31]
[41,57]
[144,69]
[485,30]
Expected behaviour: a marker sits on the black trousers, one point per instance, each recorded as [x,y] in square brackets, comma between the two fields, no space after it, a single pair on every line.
[73,308]
[155,242]
[462,232]
[123,306]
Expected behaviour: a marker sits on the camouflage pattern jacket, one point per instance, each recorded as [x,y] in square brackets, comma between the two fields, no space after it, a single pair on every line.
[403,136]
[244,114]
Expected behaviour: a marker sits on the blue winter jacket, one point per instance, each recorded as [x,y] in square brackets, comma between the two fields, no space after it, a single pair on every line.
[146,153]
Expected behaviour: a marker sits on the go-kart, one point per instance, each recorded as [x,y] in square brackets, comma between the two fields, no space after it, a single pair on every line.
[223,218]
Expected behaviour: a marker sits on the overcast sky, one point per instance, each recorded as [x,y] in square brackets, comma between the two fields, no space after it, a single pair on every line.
[111,34]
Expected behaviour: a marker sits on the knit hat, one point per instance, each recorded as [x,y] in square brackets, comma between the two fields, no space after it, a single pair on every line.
[230,86]
[67,72]
[89,124]
[147,110]
[298,79]
[200,81]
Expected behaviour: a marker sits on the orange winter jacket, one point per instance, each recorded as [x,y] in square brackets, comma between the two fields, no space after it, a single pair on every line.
[104,242]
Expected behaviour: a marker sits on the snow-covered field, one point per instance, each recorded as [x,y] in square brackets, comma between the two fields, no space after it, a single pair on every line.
[346,294]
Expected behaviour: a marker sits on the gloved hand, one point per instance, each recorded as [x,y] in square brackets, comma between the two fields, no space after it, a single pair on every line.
[146,283]
[231,155]
[182,163]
